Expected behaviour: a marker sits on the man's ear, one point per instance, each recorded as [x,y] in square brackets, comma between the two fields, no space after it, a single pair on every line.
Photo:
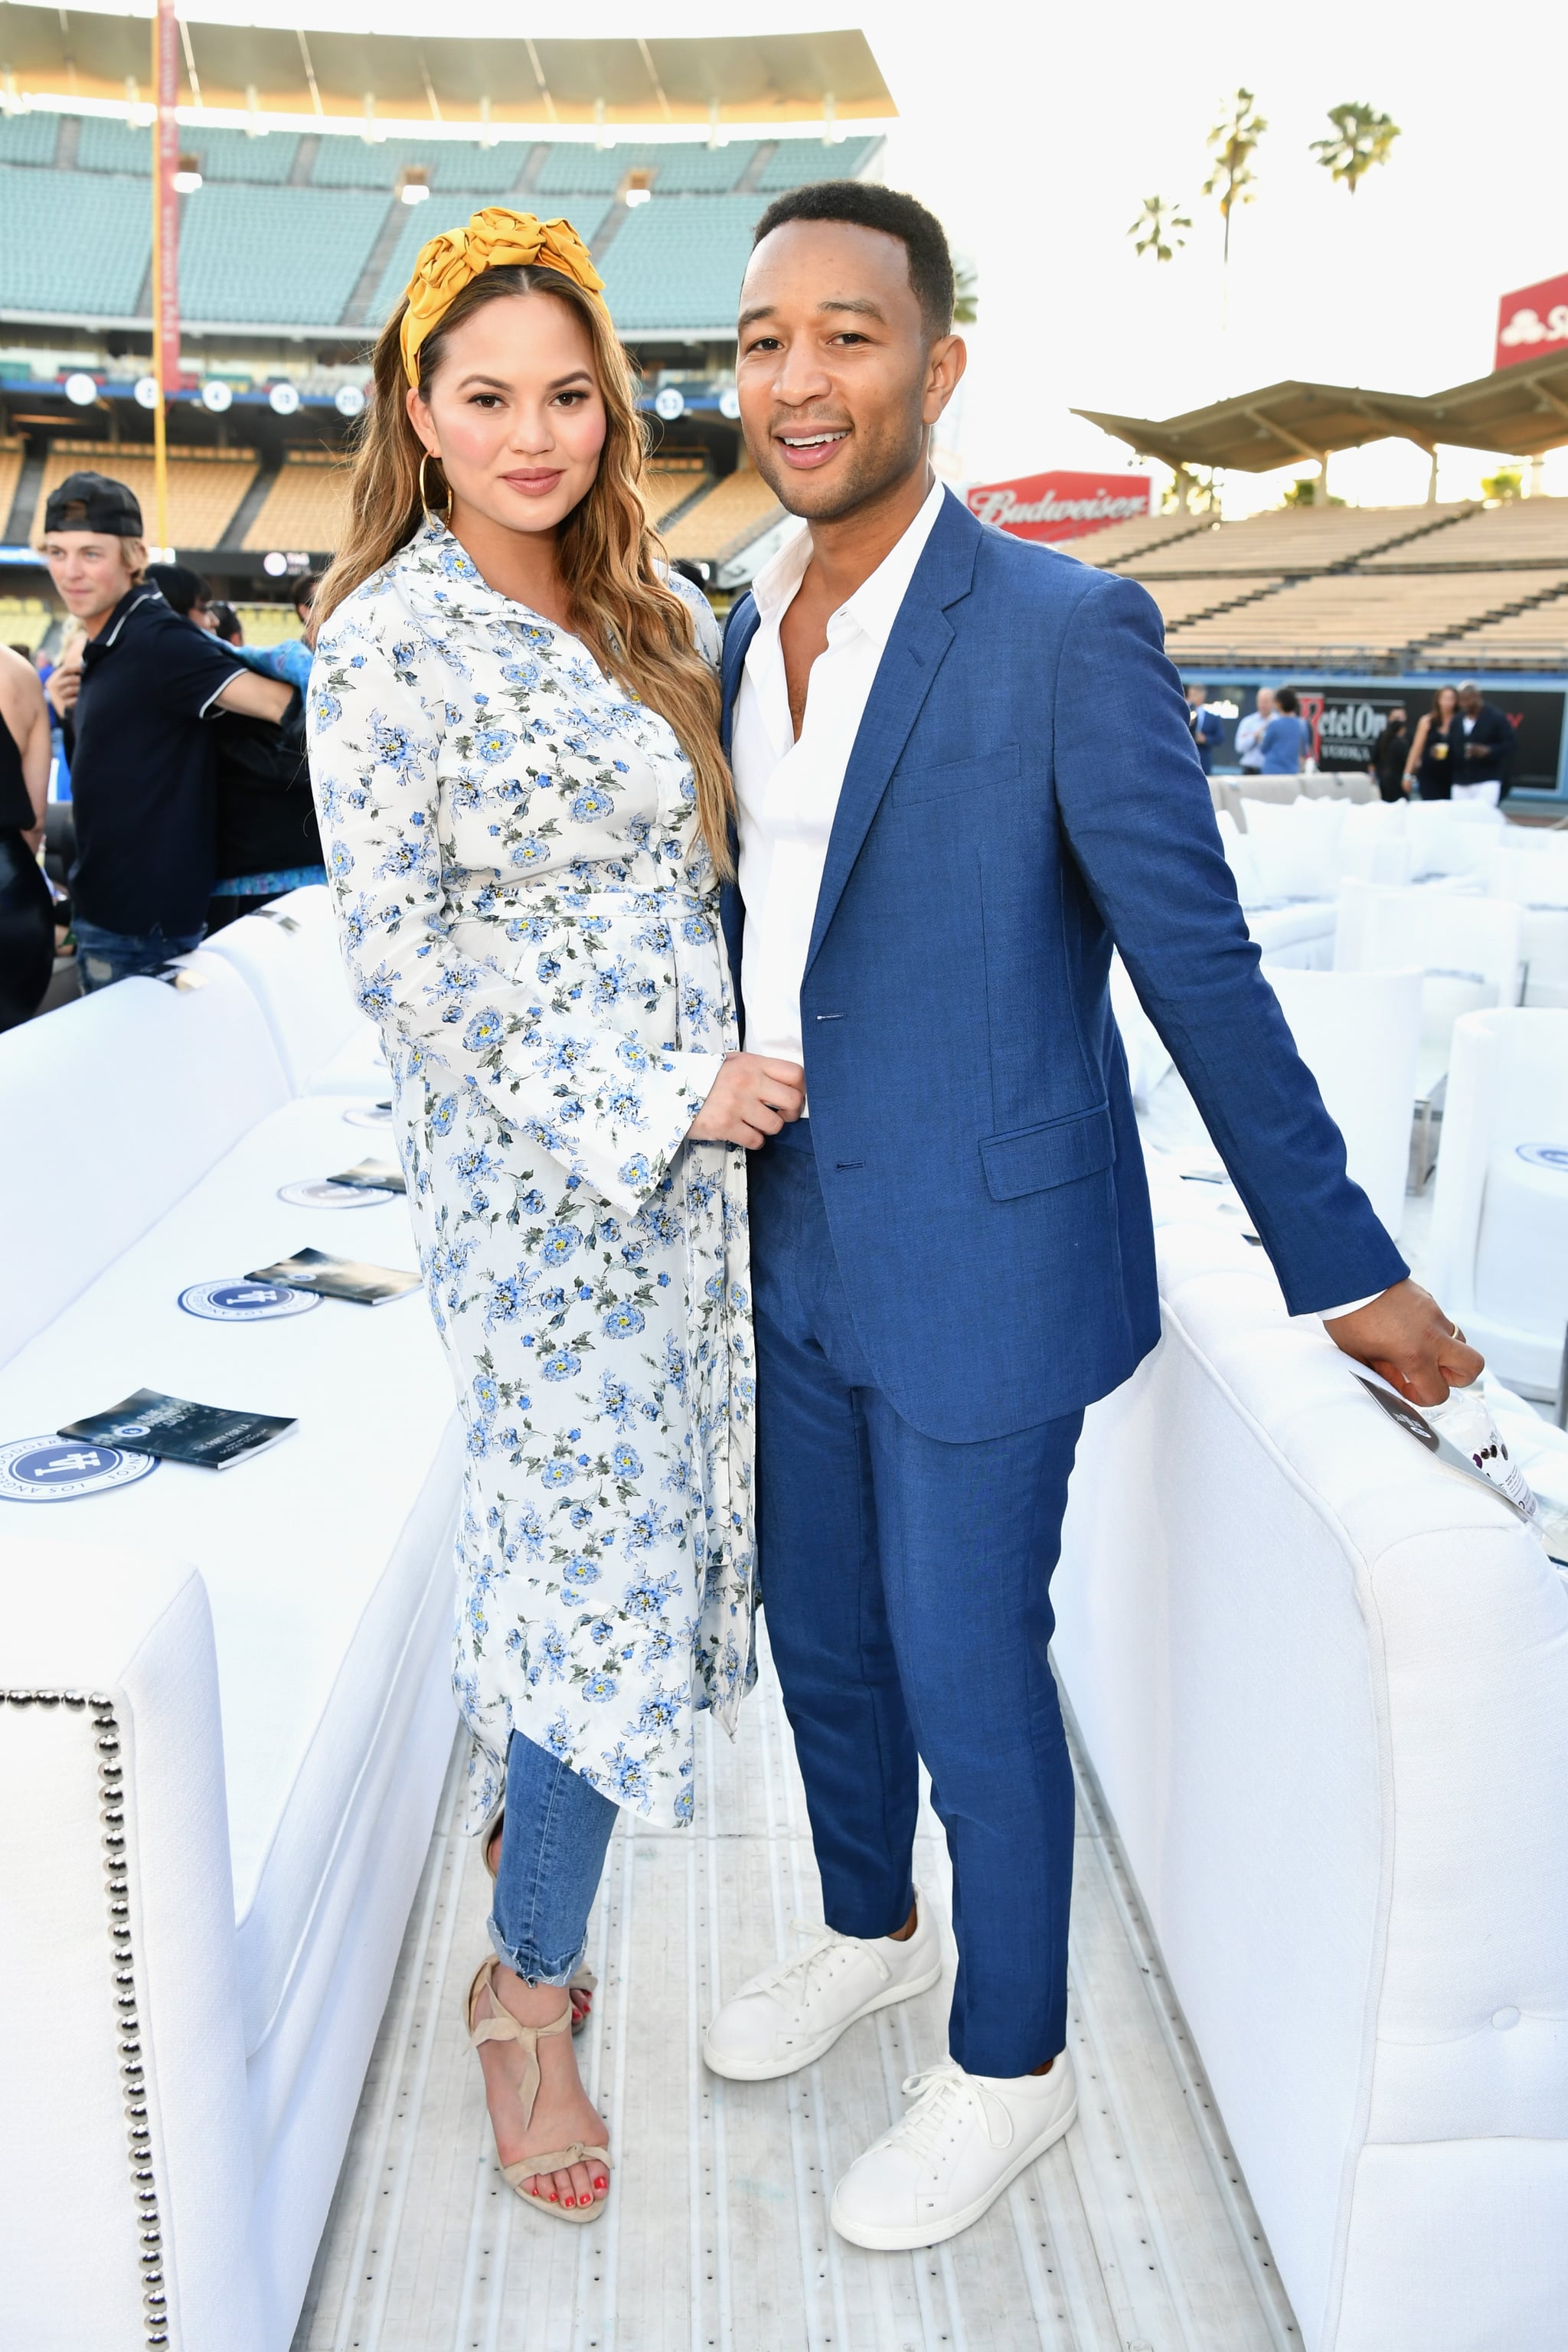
[949,358]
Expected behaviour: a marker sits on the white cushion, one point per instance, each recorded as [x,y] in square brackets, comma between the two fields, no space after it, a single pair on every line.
[289,958]
[1360,1034]
[112,1108]
[358,1067]
[1302,935]
[316,1555]
[1296,848]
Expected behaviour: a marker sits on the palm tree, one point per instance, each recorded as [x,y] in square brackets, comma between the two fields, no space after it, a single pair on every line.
[965,291]
[1362,137]
[1157,228]
[1233,138]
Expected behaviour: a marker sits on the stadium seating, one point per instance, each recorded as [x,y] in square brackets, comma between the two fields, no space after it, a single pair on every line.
[795,163]
[1353,614]
[29,138]
[67,251]
[676,169]
[735,511]
[12,451]
[676,264]
[307,507]
[205,486]
[1293,540]
[1181,600]
[1324,1686]
[1516,531]
[1120,542]
[258,255]
[1500,1215]
[669,483]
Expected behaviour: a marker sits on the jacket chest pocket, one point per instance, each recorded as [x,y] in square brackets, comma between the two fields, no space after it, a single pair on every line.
[962,780]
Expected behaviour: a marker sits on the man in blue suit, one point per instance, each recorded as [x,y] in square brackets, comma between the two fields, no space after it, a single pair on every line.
[963,770]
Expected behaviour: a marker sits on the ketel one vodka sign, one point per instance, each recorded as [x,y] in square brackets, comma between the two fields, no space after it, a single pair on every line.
[1059,506]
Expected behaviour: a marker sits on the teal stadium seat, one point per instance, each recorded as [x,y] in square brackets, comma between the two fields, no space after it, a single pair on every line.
[262,256]
[494,170]
[371,162]
[700,171]
[265,160]
[678,263]
[795,163]
[105,144]
[29,138]
[448,212]
[65,249]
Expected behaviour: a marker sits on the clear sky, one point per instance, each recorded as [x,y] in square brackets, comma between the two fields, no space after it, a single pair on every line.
[1037,132]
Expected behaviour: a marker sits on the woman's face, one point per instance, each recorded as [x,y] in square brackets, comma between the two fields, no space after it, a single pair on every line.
[515,414]
[1447,703]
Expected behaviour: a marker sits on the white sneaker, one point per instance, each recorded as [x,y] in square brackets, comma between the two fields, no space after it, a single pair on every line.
[789,2015]
[966,2136]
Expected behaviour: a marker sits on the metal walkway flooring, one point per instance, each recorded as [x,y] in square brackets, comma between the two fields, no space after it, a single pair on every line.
[1134,2234]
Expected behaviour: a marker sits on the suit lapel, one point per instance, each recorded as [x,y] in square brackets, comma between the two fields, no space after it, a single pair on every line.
[914,652]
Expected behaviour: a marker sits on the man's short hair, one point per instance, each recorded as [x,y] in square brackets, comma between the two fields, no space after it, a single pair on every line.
[862,204]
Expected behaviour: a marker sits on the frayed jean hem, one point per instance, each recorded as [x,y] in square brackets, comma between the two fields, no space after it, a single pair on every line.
[528,1963]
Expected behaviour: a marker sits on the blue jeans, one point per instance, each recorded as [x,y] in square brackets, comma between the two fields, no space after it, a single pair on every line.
[103,957]
[551,1858]
[906,1583]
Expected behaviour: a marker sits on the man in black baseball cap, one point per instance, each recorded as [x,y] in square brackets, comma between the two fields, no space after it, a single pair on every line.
[143,763]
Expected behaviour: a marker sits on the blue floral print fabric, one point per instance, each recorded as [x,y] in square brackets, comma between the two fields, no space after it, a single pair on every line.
[529,913]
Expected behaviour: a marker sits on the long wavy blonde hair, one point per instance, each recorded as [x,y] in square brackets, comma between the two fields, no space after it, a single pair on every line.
[609,554]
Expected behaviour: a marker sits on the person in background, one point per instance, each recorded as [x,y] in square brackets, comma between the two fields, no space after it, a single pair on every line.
[1249,733]
[1481,769]
[43,663]
[1434,754]
[142,761]
[1390,752]
[1287,739]
[26,909]
[1207,727]
[186,593]
[300,588]
[227,626]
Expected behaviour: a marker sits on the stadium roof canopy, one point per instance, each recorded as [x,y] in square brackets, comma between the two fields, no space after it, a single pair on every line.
[64,59]
[1522,411]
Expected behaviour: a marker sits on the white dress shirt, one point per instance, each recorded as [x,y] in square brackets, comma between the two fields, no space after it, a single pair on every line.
[786,790]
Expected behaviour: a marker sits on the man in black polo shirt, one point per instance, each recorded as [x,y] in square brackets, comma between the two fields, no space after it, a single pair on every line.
[1489,740]
[142,761]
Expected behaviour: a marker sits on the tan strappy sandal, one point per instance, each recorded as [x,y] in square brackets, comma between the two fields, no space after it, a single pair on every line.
[501,2026]
[583,1981]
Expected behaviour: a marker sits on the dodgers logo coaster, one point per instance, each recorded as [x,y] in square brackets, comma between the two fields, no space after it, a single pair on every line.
[51,1469]
[244,1302]
[370,1115]
[320,1193]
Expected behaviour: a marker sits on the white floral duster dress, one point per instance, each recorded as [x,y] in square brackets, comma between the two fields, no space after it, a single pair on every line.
[529,914]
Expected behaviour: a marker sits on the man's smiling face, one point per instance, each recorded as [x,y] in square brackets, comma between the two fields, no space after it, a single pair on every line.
[835,368]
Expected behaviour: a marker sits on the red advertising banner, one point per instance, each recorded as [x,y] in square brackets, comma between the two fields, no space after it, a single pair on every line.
[1061,506]
[1534,322]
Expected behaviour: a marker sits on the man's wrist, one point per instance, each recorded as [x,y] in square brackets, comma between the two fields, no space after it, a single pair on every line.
[1334,1314]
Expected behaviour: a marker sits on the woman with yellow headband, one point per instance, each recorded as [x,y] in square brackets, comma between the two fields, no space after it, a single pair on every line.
[525,813]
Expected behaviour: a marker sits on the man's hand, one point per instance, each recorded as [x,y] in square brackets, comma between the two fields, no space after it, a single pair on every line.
[1406,1336]
[64,685]
[750,1099]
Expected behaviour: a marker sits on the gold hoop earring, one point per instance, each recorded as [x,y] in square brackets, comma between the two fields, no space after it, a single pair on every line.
[425,495]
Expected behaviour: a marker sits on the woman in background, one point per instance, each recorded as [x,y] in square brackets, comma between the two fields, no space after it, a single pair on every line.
[1287,739]
[515,751]
[1437,747]
[26,909]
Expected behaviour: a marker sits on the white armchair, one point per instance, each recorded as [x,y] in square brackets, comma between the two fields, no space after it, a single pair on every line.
[1500,1218]
[1534,872]
[1468,949]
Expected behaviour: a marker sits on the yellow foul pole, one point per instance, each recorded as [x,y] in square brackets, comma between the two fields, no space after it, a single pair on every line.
[165,247]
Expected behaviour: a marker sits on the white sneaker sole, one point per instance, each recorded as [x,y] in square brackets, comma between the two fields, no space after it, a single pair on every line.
[914,2234]
[769,2070]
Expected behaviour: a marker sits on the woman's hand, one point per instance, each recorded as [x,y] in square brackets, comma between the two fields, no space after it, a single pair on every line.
[751,1098]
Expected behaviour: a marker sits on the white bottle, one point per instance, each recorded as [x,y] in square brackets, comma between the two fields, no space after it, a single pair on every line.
[1467,1423]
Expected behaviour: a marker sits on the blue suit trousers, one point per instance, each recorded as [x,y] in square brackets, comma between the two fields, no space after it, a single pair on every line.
[906,1583]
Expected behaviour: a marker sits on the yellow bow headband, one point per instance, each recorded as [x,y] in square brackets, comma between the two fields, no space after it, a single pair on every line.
[497,238]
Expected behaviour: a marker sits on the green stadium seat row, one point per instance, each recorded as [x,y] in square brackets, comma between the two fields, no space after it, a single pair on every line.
[674,267]
[796,162]
[65,249]
[29,138]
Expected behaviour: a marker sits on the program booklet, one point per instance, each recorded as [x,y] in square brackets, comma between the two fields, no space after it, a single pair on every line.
[175,1430]
[372,1176]
[338,1277]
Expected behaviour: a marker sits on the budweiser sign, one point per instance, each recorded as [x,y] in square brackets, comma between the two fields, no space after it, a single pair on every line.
[1059,506]
[1532,323]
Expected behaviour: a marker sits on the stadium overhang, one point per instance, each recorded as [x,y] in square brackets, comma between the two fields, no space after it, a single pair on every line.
[58,58]
[1521,411]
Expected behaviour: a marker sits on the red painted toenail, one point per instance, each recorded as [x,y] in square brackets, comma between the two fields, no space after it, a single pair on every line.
[601,2182]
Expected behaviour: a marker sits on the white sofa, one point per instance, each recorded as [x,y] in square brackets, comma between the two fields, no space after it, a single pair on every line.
[1467,947]
[1499,1215]
[1359,1032]
[263,1655]
[1324,1684]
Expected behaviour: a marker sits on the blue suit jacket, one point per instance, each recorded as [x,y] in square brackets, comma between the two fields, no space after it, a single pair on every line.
[1023,790]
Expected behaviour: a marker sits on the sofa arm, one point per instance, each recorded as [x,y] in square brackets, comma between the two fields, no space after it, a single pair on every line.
[125,2175]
